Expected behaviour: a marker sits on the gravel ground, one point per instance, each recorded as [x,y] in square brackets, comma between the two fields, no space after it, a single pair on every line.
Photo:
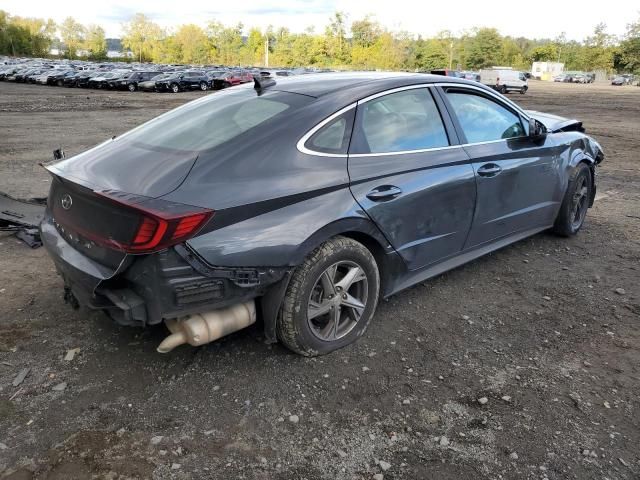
[523,364]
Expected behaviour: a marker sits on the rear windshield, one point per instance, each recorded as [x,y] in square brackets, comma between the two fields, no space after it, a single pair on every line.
[214,120]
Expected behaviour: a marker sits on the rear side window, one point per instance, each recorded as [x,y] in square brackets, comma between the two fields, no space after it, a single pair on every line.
[401,121]
[333,137]
[483,120]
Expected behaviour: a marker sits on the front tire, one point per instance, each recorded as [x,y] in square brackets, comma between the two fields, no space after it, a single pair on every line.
[203,86]
[132,87]
[503,89]
[175,88]
[575,203]
[523,90]
[331,298]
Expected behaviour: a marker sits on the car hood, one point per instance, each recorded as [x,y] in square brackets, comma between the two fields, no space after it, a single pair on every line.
[127,166]
[554,123]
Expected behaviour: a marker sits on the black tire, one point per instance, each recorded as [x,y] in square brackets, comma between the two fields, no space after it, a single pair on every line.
[303,335]
[503,89]
[576,202]
[523,90]
[132,87]
[60,83]
[175,88]
[203,86]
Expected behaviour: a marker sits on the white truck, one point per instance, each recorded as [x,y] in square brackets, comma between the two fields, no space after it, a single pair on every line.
[504,80]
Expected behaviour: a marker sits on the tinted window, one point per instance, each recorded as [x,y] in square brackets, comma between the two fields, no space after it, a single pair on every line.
[483,120]
[402,121]
[334,136]
[216,119]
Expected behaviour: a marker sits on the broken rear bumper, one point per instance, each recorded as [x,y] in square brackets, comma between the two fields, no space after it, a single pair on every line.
[147,289]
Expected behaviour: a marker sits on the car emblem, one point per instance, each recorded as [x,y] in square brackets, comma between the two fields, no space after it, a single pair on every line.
[66,201]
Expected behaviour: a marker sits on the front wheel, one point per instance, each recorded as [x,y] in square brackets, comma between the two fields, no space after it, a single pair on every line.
[503,89]
[203,86]
[575,203]
[132,87]
[523,90]
[331,298]
[175,88]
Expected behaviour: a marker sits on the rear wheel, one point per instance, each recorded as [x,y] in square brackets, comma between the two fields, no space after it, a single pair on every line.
[523,90]
[575,203]
[132,87]
[503,89]
[330,299]
[203,86]
[175,88]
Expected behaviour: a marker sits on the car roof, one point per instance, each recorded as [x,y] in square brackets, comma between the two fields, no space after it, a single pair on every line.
[319,84]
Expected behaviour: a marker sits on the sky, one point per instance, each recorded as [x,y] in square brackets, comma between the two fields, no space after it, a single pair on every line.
[534,19]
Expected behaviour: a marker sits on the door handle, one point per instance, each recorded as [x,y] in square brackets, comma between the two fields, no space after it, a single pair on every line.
[489,170]
[384,192]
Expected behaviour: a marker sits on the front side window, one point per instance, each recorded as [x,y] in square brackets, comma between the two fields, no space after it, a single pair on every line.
[483,120]
[402,121]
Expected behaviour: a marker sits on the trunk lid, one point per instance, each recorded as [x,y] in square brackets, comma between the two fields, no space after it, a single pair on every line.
[127,166]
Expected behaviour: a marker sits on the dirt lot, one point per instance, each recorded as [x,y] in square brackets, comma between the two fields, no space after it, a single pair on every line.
[536,329]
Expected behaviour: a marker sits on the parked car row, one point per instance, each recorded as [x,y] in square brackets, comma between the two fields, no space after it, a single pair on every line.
[132,77]
[575,78]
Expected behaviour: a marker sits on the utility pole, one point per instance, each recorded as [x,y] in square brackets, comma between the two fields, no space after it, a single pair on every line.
[266,51]
[450,54]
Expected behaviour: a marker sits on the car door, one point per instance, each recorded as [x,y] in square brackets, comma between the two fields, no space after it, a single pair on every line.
[517,175]
[411,176]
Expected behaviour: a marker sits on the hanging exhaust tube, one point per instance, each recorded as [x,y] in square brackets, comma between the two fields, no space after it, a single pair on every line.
[206,327]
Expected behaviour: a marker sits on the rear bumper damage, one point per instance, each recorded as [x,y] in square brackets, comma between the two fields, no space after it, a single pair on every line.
[148,289]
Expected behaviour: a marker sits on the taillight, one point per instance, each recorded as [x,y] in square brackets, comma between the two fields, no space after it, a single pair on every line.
[161,223]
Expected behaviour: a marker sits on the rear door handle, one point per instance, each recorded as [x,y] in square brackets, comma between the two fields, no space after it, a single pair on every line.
[384,192]
[489,170]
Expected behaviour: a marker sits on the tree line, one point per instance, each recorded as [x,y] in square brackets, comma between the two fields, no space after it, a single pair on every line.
[366,44]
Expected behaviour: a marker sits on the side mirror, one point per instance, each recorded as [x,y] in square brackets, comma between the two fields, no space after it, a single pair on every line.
[58,154]
[536,129]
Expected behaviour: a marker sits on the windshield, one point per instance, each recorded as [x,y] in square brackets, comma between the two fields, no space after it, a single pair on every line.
[212,121]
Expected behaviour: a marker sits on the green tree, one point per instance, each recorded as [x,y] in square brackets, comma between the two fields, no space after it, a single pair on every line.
[253,50]
[365,32]
[191,41]
[544,53]
[336,39]
[95,42]
[630,48]
[225,42]
[73,36]
[485,48]
[598,51]
[141,36]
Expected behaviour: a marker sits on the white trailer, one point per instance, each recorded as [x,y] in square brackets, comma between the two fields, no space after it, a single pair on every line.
[546,70]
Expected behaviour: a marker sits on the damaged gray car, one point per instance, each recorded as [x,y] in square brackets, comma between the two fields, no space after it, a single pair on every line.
[304,201]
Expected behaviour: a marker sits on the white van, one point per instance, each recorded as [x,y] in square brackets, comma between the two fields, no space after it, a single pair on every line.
[504,81]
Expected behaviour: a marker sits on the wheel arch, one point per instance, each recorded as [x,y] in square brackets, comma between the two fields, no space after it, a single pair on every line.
[361,230]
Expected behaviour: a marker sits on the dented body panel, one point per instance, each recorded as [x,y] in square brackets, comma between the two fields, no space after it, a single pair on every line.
[273,203]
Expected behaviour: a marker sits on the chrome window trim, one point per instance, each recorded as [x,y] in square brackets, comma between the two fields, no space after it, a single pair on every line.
[393,90]
[300,145]
[403,152]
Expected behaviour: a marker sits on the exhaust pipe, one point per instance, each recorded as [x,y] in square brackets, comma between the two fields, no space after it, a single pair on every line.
[202,328]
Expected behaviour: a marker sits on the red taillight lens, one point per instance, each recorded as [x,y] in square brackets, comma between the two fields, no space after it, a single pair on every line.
[161,225]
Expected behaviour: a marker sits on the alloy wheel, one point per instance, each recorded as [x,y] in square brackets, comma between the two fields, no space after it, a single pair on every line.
[580,203]
[337,300]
